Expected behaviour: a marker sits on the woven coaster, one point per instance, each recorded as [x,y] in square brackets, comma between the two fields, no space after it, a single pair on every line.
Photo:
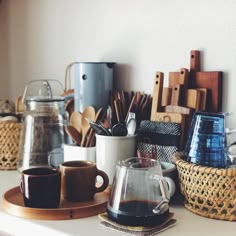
[137,230]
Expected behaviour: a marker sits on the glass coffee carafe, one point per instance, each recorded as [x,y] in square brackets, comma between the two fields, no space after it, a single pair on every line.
[42,136]
[140,194]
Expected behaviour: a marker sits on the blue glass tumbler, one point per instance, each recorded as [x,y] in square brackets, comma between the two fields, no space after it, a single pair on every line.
[206,141]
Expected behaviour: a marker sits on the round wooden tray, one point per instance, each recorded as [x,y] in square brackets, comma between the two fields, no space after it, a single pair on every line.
[13,203]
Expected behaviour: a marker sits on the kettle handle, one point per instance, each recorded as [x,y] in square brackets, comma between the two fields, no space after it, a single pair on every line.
[67,75]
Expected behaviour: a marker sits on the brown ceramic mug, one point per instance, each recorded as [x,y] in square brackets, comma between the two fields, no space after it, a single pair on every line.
[41,187]
[78,180]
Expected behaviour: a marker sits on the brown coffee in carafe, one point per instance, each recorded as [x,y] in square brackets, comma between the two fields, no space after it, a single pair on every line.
[137,213]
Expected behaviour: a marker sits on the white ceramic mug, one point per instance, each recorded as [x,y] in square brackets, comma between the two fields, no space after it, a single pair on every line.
[112,149]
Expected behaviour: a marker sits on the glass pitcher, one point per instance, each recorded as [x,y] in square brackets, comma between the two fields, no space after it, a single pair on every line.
[140,194]
[42,136]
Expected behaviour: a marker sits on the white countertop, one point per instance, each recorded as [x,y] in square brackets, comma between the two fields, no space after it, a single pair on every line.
[188,224]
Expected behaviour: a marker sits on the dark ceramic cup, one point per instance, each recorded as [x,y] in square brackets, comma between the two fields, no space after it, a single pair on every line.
[78,180]
[41,187]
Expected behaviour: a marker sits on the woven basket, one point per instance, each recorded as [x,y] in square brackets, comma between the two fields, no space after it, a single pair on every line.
[9,143]
[208,192]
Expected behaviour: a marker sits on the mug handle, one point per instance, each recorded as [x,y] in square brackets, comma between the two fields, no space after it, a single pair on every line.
[105,181]
[21,186]
[55,158]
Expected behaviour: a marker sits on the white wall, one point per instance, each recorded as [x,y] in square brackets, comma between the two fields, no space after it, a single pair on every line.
[39,38]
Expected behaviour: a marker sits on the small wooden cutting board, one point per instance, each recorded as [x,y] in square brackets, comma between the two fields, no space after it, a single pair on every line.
[211,80]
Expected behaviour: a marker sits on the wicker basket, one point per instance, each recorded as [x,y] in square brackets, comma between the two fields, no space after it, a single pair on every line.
[9,143]
[208,192]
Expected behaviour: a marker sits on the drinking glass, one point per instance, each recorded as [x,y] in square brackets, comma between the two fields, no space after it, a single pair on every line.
[206,142]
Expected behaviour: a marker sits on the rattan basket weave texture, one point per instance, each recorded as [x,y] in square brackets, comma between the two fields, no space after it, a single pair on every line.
[9,144]
[209,192]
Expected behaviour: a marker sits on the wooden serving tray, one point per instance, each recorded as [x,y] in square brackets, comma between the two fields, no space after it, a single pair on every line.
[13,203]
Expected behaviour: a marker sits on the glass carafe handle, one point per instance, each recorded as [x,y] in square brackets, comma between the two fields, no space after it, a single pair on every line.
[167,188]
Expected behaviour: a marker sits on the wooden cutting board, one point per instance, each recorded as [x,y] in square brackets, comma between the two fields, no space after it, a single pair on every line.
[166,96]
[211,80]
[177,91]
[203,98]
[193,99]
[157,94]
[181,78]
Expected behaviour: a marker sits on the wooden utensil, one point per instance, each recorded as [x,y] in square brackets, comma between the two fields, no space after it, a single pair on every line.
[123,103]
[70,106]
[74,134]
[117,110]
[211,80]
[89,113]
[131,106]
[75,120]
[157,94]
[91,136]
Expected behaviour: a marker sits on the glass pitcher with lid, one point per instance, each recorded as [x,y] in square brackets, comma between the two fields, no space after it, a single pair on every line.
[42,135]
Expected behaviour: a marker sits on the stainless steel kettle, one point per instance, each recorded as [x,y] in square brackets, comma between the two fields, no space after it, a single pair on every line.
[42,136]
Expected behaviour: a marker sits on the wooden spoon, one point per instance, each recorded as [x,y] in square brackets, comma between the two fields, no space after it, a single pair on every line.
[89,113]
[75,121]
[74,134]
